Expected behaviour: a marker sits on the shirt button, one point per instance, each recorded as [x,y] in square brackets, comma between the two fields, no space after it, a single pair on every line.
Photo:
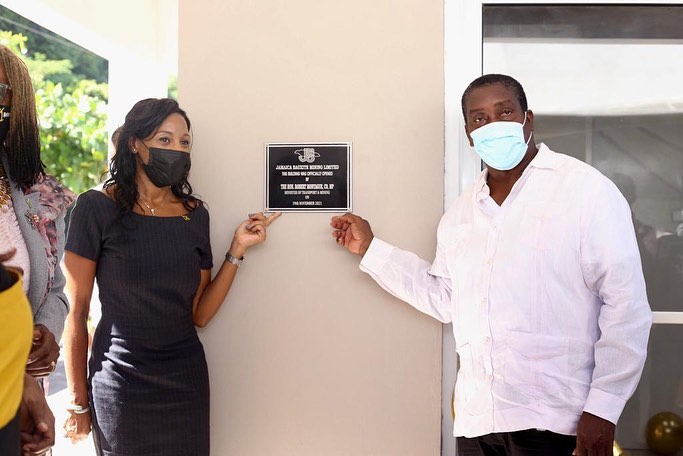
[488,339]
[489,377]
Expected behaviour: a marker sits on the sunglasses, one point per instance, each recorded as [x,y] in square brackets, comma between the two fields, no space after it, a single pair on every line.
[4,90]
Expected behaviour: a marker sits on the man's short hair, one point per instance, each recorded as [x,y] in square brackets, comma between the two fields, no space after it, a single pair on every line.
[502,79]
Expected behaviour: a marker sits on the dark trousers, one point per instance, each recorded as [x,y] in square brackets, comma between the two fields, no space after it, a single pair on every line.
[9,438]
[530,442]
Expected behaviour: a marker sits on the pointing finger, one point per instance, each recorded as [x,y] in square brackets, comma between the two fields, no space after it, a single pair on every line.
[272,217]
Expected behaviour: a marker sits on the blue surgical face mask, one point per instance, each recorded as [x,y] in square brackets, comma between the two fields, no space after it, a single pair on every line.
[501,145]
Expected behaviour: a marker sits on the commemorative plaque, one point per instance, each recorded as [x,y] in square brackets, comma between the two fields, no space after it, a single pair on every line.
[311,177]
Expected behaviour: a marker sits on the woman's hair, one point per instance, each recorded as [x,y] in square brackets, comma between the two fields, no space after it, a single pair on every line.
[141,122]
[23,140]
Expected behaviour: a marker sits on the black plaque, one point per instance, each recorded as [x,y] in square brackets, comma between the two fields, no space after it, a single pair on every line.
[313,177]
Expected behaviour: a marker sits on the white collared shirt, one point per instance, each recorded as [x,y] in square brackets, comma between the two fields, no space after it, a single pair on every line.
[546,295]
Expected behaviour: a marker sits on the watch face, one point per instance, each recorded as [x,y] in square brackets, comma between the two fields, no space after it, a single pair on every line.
[231,259]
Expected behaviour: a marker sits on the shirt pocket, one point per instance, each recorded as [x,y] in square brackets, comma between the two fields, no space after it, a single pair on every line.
[543,225]
[537,367]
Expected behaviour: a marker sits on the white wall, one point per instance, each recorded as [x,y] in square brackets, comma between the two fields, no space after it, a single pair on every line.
[308,356]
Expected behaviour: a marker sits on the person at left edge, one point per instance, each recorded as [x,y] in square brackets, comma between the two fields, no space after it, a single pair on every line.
[23,409]
[32,209]
[145,238]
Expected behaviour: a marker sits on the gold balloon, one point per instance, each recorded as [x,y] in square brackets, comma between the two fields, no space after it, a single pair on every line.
[664,433]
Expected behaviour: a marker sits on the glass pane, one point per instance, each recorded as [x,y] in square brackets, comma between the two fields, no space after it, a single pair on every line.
[643,155]
[660,389]
[604,84]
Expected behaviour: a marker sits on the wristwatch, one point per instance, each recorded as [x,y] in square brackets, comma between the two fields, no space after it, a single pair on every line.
[231,259]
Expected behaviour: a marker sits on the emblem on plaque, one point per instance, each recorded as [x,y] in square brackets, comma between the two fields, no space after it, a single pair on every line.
[307,154]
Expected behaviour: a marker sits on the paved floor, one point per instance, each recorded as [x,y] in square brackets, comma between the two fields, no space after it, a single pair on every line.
[58,398]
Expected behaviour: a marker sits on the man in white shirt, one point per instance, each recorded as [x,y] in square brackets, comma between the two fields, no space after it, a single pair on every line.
[537,267]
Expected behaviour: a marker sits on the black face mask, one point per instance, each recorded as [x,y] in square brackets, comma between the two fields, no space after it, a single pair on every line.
[166,166]
[4,122]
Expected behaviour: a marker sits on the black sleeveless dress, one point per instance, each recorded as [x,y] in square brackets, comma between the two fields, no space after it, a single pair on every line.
[148,379]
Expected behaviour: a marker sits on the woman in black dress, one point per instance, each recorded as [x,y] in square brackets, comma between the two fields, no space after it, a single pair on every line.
[145,239]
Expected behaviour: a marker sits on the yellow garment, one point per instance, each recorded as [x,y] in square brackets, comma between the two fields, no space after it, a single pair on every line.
[16,333]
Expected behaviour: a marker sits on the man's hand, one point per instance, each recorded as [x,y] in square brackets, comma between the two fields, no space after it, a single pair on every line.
[44,353]
[594,436]
[37,423]
[8,255]
[353,232]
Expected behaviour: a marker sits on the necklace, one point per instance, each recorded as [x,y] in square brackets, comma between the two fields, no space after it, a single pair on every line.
[152,210]
[5,190]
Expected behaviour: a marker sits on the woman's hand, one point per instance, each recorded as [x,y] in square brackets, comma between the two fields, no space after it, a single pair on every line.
[251,232]
[212,292]
[44,353]
[77,426]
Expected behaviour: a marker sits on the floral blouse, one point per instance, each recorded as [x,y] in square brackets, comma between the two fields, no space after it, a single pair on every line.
[54,199]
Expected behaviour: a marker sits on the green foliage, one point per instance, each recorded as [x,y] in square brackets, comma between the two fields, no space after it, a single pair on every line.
[58,71]
[15,41]
[85,64]
[73,132]
[72,115]
[172,87]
